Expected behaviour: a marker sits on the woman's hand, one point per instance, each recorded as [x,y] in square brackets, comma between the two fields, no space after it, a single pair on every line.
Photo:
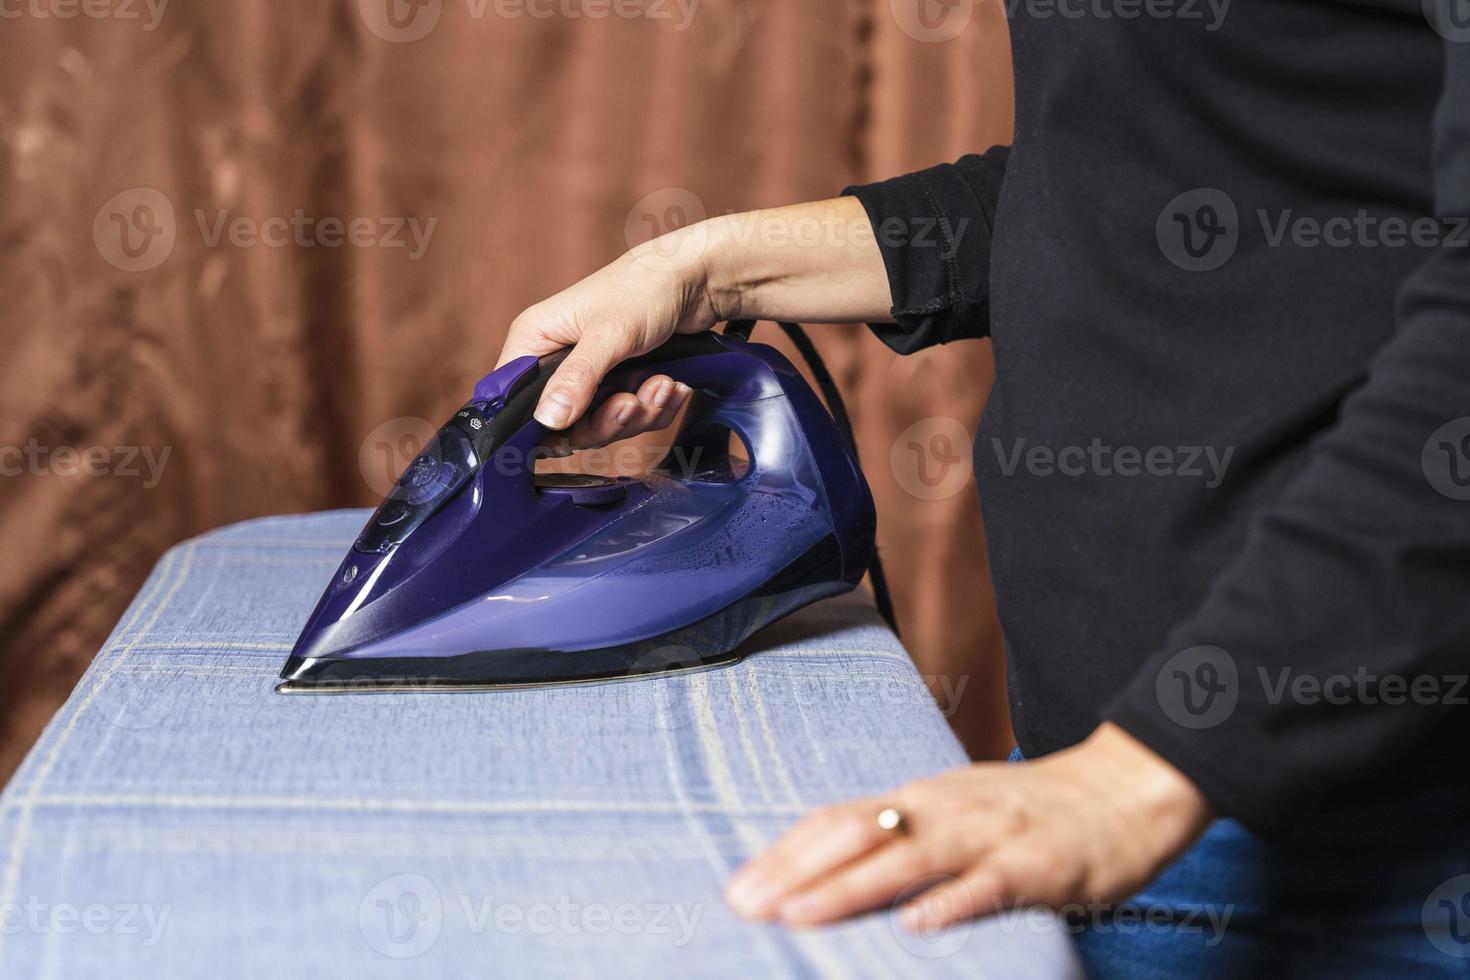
[815,262]
[1091,824]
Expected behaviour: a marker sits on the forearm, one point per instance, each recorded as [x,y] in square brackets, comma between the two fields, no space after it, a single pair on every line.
[814,262]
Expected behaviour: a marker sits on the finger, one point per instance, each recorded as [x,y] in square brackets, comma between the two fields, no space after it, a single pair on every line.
[821,842]
[873,880]
[677,396]
[658,401]
[626,414]
[649,390]
[978,892]
[555,446]
[536,334]
[575,380]
[606,424]
[653,394]
[1026,872]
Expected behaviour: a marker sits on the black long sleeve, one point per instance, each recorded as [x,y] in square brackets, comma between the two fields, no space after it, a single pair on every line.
[934,228]
[1225,468]
[1357,578]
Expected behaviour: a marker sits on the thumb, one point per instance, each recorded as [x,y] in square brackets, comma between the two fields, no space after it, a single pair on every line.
[572,386]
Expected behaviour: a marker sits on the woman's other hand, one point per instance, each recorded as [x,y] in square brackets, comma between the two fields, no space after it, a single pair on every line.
[1091,824]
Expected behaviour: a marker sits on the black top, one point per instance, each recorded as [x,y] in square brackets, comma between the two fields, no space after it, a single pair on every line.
[1225,468]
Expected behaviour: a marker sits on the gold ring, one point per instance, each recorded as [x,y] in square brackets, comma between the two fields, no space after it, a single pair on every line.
[892,820]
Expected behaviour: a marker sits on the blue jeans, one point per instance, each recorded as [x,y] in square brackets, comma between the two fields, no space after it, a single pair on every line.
[1377,894]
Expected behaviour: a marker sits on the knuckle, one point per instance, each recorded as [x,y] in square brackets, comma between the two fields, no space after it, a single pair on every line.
[1007,881]
[823,817]
[1012,814]
[578,373]
[527,320]
[822,813]
[1046,859]
[848,820]
[912,863]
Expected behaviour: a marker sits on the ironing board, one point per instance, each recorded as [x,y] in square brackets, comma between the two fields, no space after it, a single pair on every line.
[179,819]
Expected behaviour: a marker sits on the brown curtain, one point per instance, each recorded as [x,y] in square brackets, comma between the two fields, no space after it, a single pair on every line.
[165,370]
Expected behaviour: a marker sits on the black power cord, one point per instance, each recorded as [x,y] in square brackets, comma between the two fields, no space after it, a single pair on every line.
[742,329]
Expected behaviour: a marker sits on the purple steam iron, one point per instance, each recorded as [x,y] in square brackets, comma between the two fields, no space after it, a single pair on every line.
[478,573]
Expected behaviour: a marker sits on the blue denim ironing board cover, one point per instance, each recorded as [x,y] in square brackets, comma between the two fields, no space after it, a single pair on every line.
[179,819]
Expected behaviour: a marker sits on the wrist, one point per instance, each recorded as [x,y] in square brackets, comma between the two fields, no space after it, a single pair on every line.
[1163,795]
[697,257]
[720,277]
